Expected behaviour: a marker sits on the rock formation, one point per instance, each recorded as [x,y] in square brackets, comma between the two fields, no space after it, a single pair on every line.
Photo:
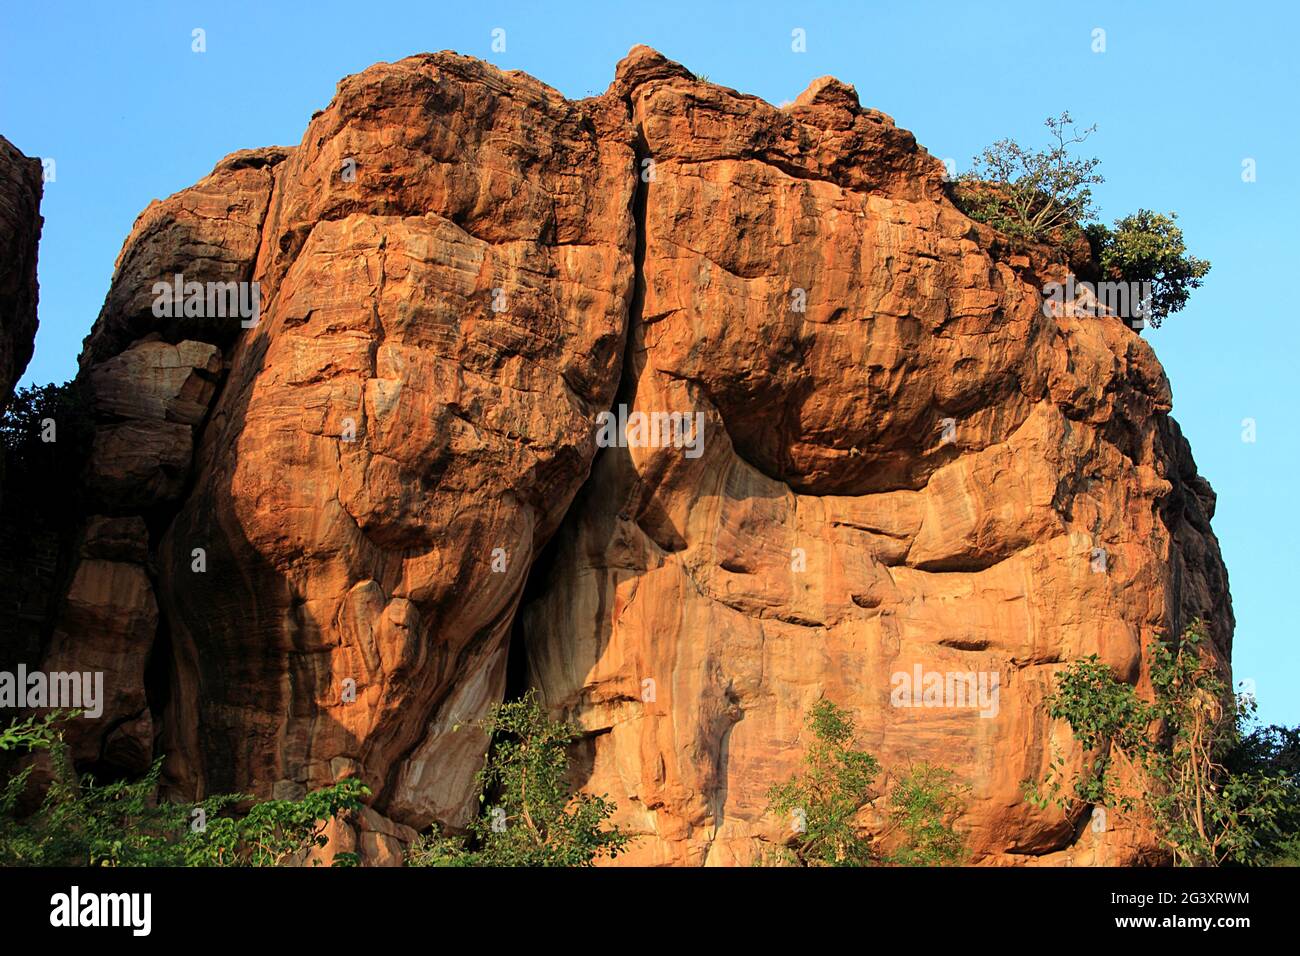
[329,532]
[26,557]
[21,183]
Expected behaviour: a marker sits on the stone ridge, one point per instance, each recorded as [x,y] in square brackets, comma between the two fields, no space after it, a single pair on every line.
[325,544]
[21,185]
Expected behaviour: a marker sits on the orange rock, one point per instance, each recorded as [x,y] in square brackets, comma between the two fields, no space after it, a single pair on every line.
[906,472]
[447,267]
[907,467]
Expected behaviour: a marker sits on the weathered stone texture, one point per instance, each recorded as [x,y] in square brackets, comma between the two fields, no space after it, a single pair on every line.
[905,462]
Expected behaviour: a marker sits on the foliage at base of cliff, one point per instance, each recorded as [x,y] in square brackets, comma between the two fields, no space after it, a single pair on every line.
[825,803]
[1186,763]
[530,815]
[81,822]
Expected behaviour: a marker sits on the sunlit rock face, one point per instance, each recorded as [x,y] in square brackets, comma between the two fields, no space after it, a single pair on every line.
[332,529]
[445,275]
[907,470]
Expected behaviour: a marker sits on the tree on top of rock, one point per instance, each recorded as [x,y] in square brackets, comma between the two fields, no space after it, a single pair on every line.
[1045,197]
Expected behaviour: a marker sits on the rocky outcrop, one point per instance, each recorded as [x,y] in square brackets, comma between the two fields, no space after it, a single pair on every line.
[345,522]
[446,269]
[148,400]
[209,233]
[107,625]
[21,184]
[150,370]
[906,466]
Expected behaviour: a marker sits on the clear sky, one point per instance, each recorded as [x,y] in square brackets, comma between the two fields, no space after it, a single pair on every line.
[1184,92]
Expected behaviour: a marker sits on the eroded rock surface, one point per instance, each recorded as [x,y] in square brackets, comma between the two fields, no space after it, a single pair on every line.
[906,465]
[447,272]
[332,512]
[21,185]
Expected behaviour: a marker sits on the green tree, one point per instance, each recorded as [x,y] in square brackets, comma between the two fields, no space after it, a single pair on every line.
[1165,760]
[45,435]
[1148,247]
[530,815]
[84,823]
[822,803]
[1045,196]
[923,806]
[1033,195]
[1273,752]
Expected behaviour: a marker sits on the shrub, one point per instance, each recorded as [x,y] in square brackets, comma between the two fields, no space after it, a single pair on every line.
[1045,196]
[83,823]
[923,805]
[1148,247]
[1167,761]
[823,801]
[533,818]
[1273,752]
[1032,195]
[822,804]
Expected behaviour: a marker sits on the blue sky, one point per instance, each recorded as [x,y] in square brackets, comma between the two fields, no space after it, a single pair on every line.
[1184,92]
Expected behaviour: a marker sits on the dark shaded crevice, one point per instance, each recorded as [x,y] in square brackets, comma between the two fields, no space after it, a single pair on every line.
[540,572]
[157,676]
[158,671]
[104,768]
[535,585]
[636,310]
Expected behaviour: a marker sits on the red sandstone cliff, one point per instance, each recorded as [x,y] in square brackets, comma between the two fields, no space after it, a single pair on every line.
[20,229]
[330,531]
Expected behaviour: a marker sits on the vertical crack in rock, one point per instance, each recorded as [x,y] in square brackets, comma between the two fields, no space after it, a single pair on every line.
[541,571]
[802,265]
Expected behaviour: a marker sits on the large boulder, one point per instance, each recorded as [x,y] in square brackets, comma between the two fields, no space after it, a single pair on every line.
[351,525]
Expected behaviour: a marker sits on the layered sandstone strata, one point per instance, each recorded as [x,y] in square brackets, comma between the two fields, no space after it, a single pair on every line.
[331,530]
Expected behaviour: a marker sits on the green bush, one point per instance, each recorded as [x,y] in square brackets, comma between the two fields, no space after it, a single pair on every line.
[1032,195]
[530,815]
[1273,752]
[84,823]
[1169,761]
[1045,196]
[922,806]
[821,805]
[1148,247]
